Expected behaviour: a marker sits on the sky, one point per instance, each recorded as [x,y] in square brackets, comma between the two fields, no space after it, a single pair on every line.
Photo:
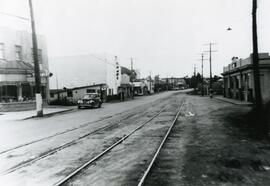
[164,37]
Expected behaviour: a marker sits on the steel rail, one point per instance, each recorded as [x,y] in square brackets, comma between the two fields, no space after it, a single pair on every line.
[61,133]
[159,148]
[76,171]
[61,147]
[53,151]
[72,129]
[51,136]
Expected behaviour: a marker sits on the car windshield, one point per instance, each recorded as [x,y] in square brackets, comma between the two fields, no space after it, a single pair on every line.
[89,96]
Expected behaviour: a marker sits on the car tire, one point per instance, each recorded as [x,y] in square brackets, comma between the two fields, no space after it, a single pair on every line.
[79,107]
[99,105]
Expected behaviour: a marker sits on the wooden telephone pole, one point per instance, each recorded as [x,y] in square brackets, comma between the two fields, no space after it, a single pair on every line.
[202,60]
[255,58]
[39,108]
[131,77]
[210,63]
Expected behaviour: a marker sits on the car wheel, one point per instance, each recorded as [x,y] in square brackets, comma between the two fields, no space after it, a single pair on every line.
[99,105]
[79,107]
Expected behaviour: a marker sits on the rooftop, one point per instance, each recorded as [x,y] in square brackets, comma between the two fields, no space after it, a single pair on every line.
[239,63]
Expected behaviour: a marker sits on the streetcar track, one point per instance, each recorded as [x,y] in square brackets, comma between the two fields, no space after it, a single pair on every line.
[54,135]
[92,160]
[53,151]
[142,180]
[73,129]
[59,148]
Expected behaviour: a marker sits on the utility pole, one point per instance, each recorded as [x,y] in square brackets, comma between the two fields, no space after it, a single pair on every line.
[195,77]
[131,77]
[58,96]
[255,58]
[261,127]
[39,108]
[202,60]
[195,70]
[150,82]
[210,63]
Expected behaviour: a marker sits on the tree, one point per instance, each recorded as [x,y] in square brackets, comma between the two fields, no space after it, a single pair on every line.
[216,78]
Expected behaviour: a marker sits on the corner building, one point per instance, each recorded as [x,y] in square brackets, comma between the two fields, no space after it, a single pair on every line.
[239,78]
[17,77]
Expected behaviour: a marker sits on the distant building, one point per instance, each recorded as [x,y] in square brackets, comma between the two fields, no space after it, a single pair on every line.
[174,83]
[140,88]
[125,88]
[85,71]
[88,70]
[76,93]
[17,81]
[239,78]
[150,84]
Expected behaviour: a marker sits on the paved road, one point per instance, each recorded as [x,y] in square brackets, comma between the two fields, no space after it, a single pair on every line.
[55,146]
[15,133]
[116,144]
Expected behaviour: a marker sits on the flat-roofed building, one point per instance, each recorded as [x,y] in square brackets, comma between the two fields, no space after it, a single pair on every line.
[239,78]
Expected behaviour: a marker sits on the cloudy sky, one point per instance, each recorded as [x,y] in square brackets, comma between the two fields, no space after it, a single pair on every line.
[163,36]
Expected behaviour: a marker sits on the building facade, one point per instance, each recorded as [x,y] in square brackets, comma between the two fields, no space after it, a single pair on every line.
[90,71]
[174,83]
[239,78]
[76,93]
[86,70]
[17,77]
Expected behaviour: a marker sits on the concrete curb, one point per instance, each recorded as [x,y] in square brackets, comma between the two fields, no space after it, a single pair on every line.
[49,114]
[232,102]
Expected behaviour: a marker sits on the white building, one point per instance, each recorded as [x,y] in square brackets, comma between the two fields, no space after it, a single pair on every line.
[86,70]
[17,80]
[113,77]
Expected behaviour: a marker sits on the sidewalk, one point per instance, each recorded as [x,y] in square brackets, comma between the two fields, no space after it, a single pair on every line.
[233,101]
[22,115]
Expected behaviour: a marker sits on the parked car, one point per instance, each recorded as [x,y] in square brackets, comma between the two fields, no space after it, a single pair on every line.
[90,100]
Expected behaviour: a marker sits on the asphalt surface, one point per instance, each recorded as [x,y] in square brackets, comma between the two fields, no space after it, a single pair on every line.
[57,148]
[197,151]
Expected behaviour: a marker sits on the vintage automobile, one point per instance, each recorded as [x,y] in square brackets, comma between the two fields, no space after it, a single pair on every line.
[90,100]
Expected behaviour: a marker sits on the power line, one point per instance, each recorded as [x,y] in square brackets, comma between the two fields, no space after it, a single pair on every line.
[102,60]
[210,62]
[12,15]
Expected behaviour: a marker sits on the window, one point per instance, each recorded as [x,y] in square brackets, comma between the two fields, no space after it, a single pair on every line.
[2,51]
[90,91]
[39,56]
[69,93]
[18,53]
